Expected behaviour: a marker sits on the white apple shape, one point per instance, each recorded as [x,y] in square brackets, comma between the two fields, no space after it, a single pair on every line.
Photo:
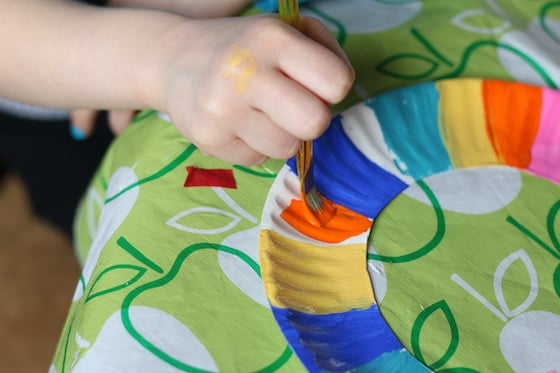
[365,16]
[471,191]
[530,342]
[238,271]
[112,215]
[115,350]
[538,46]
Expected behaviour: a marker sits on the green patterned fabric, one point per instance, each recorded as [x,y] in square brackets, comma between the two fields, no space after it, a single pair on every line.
[171,274]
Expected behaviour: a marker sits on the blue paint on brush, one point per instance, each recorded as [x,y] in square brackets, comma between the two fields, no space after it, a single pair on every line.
[346,176]
[409,121]
[337,342]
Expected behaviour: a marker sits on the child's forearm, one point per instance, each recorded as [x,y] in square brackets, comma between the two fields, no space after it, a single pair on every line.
[241,89]
[65,54]
[190,8]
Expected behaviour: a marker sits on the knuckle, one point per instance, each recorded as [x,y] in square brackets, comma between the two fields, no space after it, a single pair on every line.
[288,148]
[211,105]
[205,140]
[252,158]
[272,32]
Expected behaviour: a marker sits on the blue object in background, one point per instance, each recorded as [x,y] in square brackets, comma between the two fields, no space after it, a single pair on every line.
[271,5]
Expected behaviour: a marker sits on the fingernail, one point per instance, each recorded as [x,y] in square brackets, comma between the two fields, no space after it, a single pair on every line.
[77,134]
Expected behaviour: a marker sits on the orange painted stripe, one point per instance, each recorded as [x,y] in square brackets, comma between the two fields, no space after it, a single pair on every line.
[513,113]
[343,225]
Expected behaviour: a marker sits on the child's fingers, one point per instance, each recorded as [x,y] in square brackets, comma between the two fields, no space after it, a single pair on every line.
[315,66]
[289,105]
[82,123]
[237,151]
[120,119]
[316,30]
[265,137]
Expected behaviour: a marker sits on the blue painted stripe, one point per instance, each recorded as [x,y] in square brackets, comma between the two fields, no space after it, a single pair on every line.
[347,177]
[409,120]
[337,342]
[394,362]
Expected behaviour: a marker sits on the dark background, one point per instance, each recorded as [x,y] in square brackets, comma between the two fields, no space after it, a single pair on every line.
[55,168]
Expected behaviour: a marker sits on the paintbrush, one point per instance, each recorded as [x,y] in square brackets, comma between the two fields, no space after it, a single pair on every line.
[321,209]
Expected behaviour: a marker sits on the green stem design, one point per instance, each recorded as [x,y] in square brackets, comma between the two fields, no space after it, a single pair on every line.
[164,171]
[432,244]
[550,219]
[83,282]
[430,47]
[127,246]
[64,355]
[556,280]
[542,20]
[510,219]
[491,43]
[464,59]
[250,171]
[181,258]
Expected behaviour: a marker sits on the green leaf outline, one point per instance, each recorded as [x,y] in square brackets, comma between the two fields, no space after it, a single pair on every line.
[464,20]
[419,324]
[139,273]
[382,66]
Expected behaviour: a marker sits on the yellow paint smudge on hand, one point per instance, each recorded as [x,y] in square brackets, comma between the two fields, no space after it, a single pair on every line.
[241,66]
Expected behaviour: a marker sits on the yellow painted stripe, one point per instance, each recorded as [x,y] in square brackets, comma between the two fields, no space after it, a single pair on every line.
[314,279]
[463,123]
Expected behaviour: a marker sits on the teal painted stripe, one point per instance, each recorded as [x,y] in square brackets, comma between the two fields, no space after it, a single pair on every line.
[409,120]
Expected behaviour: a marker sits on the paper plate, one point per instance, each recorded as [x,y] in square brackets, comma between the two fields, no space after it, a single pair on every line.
[461,268]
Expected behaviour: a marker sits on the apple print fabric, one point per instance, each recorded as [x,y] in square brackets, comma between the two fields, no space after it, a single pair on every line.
[191,264]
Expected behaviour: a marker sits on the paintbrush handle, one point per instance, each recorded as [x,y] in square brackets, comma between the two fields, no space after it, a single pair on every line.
[289,12]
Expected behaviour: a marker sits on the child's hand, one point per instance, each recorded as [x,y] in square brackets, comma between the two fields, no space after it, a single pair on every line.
[245,89]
